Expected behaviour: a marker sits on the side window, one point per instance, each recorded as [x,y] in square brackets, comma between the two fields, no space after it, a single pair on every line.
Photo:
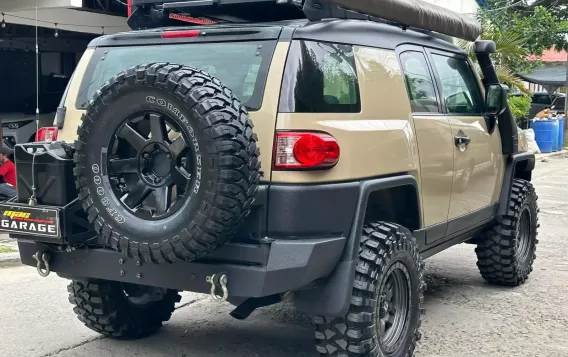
[460,89]
[419,83]
[320,77]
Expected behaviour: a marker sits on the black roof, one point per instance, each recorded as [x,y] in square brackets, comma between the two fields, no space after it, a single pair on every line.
[349,31]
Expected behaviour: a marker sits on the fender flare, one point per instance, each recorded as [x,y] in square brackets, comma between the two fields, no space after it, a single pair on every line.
[518,165]
[334,296]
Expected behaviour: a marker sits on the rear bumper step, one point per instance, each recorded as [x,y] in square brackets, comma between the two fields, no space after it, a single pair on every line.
[252,271]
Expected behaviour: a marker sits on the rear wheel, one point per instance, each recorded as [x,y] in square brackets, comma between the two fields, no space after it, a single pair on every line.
[121,310]
[386,303]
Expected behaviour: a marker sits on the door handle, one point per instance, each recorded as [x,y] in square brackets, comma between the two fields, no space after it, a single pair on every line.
[462,140]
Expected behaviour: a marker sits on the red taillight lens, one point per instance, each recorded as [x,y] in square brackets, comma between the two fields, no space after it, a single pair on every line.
[181,34]
[305,150]
[47,134]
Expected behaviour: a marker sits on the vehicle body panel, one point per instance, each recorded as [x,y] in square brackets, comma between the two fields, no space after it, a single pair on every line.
[376,142]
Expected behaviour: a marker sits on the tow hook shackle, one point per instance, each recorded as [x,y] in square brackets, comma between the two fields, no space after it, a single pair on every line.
[43,268]
[220,281]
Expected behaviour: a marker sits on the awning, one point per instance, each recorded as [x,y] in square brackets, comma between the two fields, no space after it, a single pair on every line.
[418,14]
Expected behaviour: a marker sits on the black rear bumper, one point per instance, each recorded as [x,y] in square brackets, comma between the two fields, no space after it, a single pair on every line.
[259,270]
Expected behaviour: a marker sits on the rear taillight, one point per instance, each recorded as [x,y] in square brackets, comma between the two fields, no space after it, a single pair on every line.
[47,134]
[181,34]
[305,150]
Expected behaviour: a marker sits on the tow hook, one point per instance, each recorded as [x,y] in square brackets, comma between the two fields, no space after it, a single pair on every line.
[42,263]
[221,281]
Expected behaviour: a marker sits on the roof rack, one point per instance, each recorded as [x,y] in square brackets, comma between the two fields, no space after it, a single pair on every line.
[416,14]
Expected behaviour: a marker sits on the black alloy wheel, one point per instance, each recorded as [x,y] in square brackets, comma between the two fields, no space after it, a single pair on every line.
[151,165]
[392,317]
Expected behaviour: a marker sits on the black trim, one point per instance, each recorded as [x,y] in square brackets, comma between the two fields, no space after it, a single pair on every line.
[457,238]
[352,248]
[434,233]
[320,210]
[333,297]
[217,33]
[464,222]
[289,265]
[370,34]
[513,162]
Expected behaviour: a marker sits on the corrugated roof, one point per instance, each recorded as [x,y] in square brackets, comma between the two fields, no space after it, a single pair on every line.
[551,56]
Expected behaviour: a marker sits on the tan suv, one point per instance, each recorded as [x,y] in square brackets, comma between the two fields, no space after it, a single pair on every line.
[373,146]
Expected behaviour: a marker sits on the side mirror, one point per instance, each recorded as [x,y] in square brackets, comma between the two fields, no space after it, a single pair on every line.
[495,99]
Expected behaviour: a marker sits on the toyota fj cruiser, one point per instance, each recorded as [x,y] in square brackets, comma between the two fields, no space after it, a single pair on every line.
[375,145]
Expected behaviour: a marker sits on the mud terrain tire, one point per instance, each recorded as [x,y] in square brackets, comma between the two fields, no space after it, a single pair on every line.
[218,149]
[386,250]
[104,307]
[506,251]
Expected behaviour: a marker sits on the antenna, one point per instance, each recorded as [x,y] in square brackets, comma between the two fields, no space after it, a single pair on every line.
[37,70]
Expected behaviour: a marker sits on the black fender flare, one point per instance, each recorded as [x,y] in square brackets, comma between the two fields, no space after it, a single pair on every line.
[332,298]
[518,165]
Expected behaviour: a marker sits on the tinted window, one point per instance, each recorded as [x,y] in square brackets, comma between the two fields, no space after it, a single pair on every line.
[320,78]
[541,99]
[241,66]
[460,88]
[419,82]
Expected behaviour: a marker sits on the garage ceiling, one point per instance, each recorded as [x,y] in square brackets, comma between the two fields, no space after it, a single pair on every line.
[68,14]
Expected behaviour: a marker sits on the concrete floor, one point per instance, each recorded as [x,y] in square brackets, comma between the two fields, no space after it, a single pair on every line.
[464,315]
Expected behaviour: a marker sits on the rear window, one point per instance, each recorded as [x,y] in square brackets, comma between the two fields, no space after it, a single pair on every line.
[241,66]
[320,78]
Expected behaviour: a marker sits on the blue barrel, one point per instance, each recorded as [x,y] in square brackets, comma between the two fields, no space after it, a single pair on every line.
[546,134]
[560,134]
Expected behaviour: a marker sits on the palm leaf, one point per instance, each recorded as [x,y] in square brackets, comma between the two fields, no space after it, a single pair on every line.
[506,76]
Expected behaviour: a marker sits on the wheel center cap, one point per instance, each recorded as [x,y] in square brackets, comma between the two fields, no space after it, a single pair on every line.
[155,164]
[160,164]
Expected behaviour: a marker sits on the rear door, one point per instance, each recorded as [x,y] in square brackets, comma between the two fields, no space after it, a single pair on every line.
[477,158]
[435,140]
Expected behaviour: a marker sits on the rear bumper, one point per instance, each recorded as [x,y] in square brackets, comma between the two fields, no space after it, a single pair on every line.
[260,270]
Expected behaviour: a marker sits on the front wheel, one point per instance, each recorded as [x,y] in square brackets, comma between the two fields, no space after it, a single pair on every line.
[506,251]
[386,302]
[121,310]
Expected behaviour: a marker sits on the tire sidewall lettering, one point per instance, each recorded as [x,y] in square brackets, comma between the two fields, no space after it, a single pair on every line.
[193,141]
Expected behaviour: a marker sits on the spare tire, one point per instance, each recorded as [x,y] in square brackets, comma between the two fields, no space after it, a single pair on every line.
[166,163]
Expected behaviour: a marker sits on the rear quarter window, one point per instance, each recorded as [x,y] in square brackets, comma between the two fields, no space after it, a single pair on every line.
[241,66]
[320,78]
